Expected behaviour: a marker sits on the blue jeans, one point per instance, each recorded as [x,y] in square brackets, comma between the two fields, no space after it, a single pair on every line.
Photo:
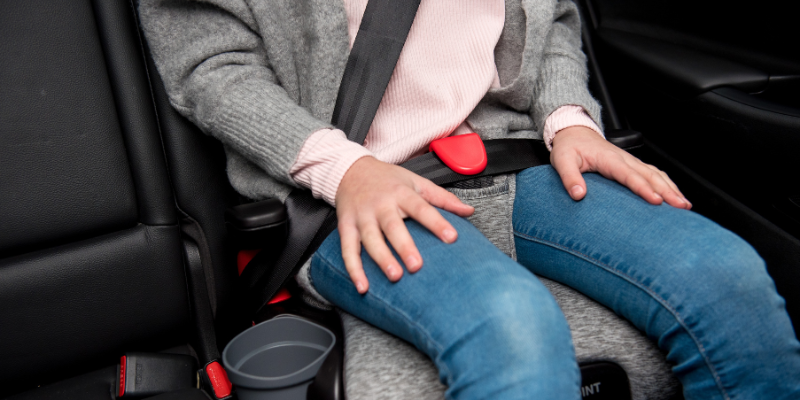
[494,331]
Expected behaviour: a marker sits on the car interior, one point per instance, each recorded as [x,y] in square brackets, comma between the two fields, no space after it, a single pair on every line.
[122,242]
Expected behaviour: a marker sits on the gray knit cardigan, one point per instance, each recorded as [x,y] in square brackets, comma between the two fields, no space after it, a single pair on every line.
[262,75]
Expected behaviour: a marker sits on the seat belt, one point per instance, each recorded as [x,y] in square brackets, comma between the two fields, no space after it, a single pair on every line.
[503,156]
[380,39]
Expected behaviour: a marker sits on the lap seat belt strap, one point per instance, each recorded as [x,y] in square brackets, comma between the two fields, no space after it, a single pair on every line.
[503,156]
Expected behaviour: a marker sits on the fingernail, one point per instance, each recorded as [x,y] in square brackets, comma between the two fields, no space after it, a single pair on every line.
[360,287]
[449,235]
[393,272]
[576,191]
[412,261]
[659,196]
[682,201]
[688,202]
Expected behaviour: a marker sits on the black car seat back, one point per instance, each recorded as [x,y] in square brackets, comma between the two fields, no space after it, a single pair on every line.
[196,168]
[90,248]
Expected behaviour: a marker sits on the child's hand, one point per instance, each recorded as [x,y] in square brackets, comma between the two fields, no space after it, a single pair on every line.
[578,149]
[372,200]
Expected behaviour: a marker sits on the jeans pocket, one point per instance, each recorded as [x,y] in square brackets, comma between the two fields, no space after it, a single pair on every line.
[494,206]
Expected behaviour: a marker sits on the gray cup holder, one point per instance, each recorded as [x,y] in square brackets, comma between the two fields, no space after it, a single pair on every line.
[277,359]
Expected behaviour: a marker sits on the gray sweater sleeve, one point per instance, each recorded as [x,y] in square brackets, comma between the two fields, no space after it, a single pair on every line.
[217,74]
[563,77]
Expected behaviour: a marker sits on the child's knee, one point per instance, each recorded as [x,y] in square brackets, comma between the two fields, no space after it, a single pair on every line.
[725,268]
[523,311]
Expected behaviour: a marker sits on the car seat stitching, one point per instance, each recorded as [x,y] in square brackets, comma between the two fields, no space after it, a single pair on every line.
[652,294]
[482,193]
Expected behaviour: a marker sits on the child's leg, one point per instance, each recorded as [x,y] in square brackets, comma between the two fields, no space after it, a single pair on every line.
[700,291]
[493,330]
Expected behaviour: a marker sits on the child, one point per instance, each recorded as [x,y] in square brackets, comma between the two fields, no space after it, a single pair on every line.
[263,77]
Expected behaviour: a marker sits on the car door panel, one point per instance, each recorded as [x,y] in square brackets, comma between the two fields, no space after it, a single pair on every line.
[714,85]
[715,89]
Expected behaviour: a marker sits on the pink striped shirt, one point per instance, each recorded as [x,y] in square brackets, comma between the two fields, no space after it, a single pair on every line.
[435,86]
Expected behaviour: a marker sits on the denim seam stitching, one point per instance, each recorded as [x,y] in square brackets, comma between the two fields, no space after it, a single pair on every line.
[652,294]
[401,314]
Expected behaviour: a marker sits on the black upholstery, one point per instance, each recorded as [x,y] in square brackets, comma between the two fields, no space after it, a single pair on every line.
[127,73]
[196,165]
[689,72]
[97,385]
[64,167]
[186,394]
[99,296]
[202,192]
[90,246]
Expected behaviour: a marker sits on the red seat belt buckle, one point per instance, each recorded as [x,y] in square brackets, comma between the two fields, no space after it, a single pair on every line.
[217,378]
[123,364]
[464,154]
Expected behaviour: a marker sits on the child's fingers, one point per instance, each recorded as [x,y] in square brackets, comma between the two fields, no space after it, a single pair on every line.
[580,151]
[395,230]
[568,164]
[660,185]
[623,173]
[443,199]
[423,212]
[375,245]
[351,253]
[666,178]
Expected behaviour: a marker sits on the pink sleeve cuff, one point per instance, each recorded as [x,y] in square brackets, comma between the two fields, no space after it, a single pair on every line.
[565,117]
[323,160]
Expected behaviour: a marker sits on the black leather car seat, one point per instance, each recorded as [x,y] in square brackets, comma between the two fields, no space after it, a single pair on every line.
[91,251]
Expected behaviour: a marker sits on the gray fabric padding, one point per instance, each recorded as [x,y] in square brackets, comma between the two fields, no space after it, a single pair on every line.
[494,207]
[379,365]
[303,279]
[601,335]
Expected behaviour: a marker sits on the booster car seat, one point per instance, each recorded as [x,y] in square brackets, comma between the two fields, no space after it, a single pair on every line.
[378,365]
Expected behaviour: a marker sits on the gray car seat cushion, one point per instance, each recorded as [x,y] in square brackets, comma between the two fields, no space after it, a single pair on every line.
[379,365]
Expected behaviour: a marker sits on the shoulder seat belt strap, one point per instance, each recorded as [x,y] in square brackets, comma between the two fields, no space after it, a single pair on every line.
[380,39]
